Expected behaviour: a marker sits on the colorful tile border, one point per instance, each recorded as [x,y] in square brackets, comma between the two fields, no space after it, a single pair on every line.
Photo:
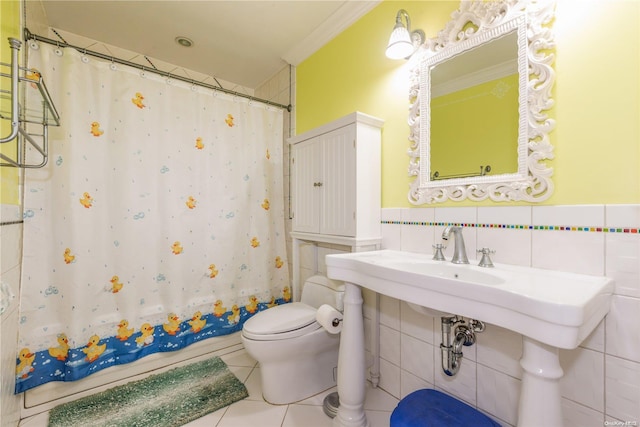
[630,230]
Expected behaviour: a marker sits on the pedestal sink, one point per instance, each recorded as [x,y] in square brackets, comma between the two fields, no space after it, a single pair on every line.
[550,309]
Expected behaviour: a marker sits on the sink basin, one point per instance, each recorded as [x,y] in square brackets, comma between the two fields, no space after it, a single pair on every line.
[556,308]
[446,270]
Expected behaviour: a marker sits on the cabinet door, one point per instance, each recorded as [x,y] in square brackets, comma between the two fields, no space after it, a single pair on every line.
[338,190]
[305,165]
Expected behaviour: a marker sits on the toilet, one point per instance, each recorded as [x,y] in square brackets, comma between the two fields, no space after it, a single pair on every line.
[298,357]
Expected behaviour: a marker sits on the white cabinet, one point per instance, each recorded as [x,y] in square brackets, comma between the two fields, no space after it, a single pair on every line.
[336,180]
[335,187]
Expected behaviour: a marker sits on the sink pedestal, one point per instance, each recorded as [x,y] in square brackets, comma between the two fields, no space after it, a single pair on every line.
[351,362]
[540,400]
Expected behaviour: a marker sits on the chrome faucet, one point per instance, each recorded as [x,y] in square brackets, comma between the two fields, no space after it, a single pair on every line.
[459,251]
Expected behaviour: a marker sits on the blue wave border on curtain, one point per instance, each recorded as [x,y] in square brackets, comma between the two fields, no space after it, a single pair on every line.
[67,364]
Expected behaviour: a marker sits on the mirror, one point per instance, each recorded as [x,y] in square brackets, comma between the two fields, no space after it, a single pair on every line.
[480,91]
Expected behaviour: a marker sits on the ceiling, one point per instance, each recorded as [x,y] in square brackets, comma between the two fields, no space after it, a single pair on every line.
[244,42]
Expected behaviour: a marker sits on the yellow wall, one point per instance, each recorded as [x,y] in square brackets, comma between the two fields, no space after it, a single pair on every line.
[597,95]
[10,27]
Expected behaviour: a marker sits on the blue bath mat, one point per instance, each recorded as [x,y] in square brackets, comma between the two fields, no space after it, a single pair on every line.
[169,399]
[431,408]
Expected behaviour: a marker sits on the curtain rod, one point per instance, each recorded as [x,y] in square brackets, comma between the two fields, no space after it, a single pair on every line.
[28,35]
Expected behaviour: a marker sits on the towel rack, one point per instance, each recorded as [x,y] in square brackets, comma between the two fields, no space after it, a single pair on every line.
[26,103]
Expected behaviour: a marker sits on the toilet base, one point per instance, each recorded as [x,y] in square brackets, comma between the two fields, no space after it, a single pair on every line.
[287,382]
[294,370]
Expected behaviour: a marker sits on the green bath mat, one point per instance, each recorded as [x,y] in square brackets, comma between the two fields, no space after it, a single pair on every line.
[169,399]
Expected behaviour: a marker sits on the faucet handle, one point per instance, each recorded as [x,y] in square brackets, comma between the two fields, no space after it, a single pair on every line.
[485,261]
[438,255]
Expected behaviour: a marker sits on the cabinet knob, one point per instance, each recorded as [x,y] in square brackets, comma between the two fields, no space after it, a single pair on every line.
[317,184]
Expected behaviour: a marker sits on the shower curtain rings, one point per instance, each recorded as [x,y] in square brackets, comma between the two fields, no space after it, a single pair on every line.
[57,50]
[33,44]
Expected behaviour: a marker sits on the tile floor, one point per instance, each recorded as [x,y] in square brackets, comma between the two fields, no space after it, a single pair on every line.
[255,412]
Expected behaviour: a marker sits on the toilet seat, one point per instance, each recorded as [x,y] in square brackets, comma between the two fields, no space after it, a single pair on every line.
[281,323]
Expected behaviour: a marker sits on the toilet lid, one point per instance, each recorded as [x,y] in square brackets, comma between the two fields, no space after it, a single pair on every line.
[281,322]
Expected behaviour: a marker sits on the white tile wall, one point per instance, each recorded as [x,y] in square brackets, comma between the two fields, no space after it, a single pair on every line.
[623,328]
[622,391]
[575,414]
[602,376]
[415,357]
[510,246]
[498,394]
[587,390]
[415,238]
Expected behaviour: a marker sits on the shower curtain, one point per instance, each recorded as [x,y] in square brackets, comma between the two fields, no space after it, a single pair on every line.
[157,222]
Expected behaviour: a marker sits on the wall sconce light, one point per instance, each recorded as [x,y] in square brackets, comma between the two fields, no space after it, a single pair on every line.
[403,42]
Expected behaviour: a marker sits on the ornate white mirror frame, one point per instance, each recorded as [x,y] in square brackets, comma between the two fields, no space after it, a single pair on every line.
[476,23]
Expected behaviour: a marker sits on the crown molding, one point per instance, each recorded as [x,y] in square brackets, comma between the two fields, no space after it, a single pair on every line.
[488,74]
[339,21]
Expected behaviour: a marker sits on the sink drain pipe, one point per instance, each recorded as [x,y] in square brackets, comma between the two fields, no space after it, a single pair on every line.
[456,333]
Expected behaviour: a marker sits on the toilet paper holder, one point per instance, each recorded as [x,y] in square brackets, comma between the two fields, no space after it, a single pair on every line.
[329,318]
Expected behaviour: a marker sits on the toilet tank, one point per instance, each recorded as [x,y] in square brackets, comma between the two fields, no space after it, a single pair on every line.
[320,290]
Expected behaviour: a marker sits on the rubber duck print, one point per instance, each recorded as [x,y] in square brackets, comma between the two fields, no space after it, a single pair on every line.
[124,332]
[34,76]
[60,352]
[213,271]
[272,303]
[137,101]
[255,242]
[196,322]
[199,144]
[176,248]
[86,200]
[25,359]
[265,204]
[68,258]
[173,326]
[286,293]
[229,120]
[234,317]
[116,285]
[252,307]
[279,262]
[93,350]
[146,335]
[95,129]
[191,202]
[219,309]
